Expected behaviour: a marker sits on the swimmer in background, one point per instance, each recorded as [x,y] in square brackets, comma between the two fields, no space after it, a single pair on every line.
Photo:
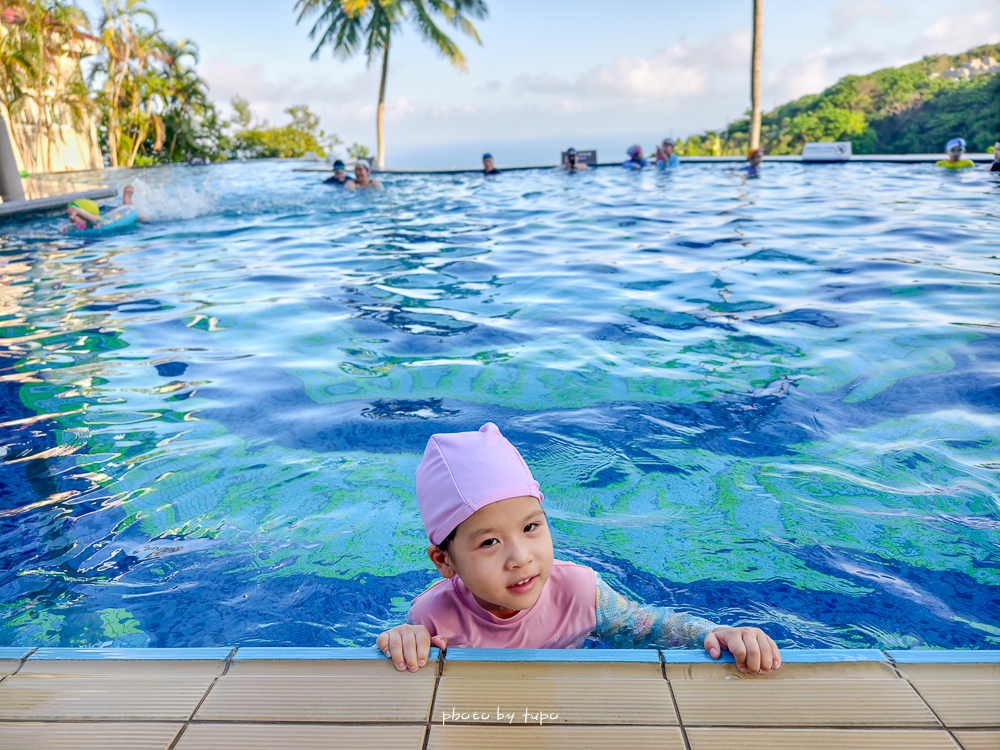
[339,175]
[361,178]
[571,162]
[754,158]
[488,167]
[85,214]
[635,160]
[955,149]
[665,156]
[995,166]
[502,588]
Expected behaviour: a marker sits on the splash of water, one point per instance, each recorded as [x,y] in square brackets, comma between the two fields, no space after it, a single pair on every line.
[173,202]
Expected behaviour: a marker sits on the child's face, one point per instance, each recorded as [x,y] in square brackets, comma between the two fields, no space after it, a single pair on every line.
[503,553]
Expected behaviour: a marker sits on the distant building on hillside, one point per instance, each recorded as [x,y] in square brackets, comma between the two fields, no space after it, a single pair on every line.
[975,67]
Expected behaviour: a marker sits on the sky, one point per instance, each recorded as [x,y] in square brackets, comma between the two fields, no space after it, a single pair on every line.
[552,73]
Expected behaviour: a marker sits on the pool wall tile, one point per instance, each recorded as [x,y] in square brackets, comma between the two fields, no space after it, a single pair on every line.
[301,737]
[390,698]
[88,736]
[802,703]
[554,738]
[16,654]
[819,739]
[934,656]
[132,654]
[548,654]
[357,654]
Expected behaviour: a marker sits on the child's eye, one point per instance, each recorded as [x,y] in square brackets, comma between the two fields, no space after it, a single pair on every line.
[490,542]
[531,527]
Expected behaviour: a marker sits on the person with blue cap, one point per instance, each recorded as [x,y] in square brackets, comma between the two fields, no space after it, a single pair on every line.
[339,175]
[955,149]
[488,167]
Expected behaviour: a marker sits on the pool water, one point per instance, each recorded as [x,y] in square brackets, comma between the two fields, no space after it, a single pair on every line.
[769,402]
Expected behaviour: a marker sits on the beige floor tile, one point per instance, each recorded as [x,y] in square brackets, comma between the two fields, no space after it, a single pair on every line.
[122,667]
[555,738]
[285,737]
[487,670]
[973,740]
[976,672]
[396,697]
[573,701]
[820,739]
[88,736]
[37,698]
[864,670]
[324,668]
[805,703]
[963,703]
[8,666]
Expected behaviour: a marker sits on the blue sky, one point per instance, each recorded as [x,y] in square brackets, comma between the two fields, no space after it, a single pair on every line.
[551,74]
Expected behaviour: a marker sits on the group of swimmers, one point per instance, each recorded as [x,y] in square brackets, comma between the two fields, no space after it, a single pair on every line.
[362,176]
[85,214]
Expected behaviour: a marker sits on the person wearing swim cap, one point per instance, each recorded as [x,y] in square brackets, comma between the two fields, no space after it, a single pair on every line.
[501,585]
[488,167]
[362,170]
[571,161]
[754,158]
[635,160]
[85,213]
[995,166]
[339,175]
[955,148]
[665,156]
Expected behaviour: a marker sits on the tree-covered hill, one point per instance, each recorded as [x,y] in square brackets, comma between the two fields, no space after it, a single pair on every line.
[891,111]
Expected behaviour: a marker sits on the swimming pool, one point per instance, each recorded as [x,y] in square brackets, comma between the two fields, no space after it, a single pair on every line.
[771,402]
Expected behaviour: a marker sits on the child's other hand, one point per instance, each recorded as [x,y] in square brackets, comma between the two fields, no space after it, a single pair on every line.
[752,648]
[409,645]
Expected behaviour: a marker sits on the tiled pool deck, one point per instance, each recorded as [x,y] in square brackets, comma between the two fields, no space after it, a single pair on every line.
[313,699]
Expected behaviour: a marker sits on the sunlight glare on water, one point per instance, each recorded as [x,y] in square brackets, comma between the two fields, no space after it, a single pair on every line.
[771,402]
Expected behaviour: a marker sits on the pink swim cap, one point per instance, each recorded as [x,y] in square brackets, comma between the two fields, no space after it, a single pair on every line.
[463,471]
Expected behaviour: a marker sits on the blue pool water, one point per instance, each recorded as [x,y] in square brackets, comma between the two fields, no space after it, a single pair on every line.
[771,402]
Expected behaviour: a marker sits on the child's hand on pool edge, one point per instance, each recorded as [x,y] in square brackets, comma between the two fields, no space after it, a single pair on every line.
[752,648]
[409,645]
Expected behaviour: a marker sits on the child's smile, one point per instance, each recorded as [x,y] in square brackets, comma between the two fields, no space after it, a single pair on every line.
[503,553]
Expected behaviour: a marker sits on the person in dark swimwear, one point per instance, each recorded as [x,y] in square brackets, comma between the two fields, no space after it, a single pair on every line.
[339,175]
[488,167]
[570,161]
[754,158]
[995,166]
[635,160]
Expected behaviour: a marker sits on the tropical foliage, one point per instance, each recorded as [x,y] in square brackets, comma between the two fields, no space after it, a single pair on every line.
[40,46]
[260,141]
[154,106]
[891,111]
[348,25]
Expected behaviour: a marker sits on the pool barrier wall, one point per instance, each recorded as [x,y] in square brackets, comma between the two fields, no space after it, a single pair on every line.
[258,698]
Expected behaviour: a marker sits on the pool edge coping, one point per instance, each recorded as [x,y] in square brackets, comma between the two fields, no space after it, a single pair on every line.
[593,656]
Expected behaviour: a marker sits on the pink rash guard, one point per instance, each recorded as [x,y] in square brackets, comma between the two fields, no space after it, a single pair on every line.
[565,613]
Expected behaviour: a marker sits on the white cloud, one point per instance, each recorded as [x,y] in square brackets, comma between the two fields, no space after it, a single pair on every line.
[847,13]
[957,32]
[809,74]
[678,71]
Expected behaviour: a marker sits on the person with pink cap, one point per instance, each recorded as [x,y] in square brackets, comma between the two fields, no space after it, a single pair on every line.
[502,587]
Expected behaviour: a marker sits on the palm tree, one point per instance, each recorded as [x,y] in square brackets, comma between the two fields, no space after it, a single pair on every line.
[758,29]
[128,52]
[346,25]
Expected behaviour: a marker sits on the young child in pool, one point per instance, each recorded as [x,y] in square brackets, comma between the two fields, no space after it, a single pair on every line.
[502,588]
[85,213]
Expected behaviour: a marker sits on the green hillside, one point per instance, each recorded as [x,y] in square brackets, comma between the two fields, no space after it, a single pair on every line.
[891,111]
